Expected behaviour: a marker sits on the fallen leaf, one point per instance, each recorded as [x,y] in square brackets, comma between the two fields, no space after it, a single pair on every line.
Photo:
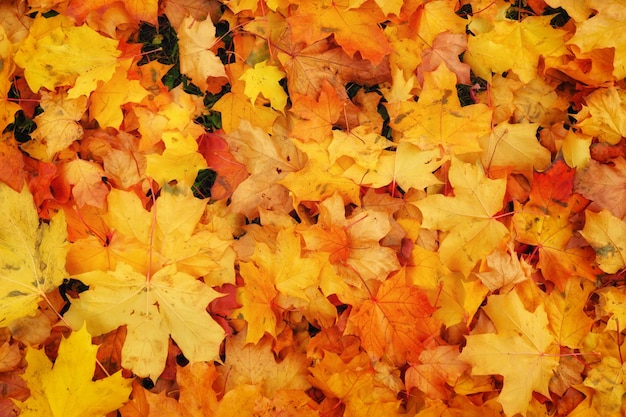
[33,255]
[66,388]
[388,323]
[55,54]
[468,216]
[153,308]
[197,61]
[522,350]
[353,29]
[606,234]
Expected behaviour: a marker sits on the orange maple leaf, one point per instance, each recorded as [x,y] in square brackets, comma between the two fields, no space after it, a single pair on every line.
[388,323]
[353,29]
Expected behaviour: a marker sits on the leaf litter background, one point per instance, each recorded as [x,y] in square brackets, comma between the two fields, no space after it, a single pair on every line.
[312,208]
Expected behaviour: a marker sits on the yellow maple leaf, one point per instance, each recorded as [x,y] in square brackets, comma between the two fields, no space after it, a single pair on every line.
[355,385]
[196,60]
[515,46]
[505,270]
[236,106]
[438,120]
[467,217]
[515,145]
[269,272]
[32,255]
[437,17]
[522,350]
[57,127]
[180,160]
[264,79]
[566,312]
[607,235]
[604,115]
[67,389]
[360,146]
[152,308]
[318,179]
[604,30]
[107,99]
[408,166]
[387,6]
[6,70]
[56,53]
[607,381]
[255,364]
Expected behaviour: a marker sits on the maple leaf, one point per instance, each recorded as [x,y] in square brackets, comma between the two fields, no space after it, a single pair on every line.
[360,145]
[85,177]
[522,350]
[515,46]
[514,145]
[235,106]
[196,60]
[255,364]
[579,11]
[54,55]
[268,159]
[387,6]
[107,99]
[604,31]
[607,235]
[9,108]
[437,17]
[603,115]
[316,117]
[270,271]
[57,126]
[447,47]
[123,164]
[12,170]
[180,160]
[140,10]
[566,313]
[467,217]
[437,367]
[505,270]
[354,384]
[353,29]
[604,185]
[387,323]
[352,242]
[264,79]
[230,173]
[33,255]
[66,389]
[318,179]
[545,222]
[607,381]
[438,120]
[152,308]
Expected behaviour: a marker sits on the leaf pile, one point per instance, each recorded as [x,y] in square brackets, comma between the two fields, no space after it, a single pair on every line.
[312,208]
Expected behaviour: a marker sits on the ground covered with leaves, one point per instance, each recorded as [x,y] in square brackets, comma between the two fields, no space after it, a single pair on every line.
[312,208]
